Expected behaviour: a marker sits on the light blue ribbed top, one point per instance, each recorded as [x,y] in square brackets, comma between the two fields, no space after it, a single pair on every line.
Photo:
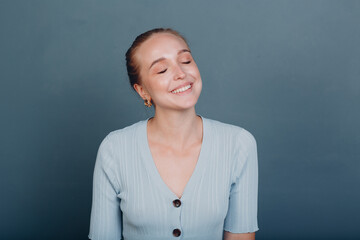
[132,202]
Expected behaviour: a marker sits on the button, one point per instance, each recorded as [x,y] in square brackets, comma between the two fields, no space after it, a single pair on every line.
[176,232]
[177,203]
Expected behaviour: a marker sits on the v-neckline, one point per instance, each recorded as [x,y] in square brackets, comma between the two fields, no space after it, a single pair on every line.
[154,172]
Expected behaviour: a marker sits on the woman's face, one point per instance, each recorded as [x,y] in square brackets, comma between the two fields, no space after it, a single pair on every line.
[168,73]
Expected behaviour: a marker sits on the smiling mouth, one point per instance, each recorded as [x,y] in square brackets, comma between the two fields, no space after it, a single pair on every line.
[183,89]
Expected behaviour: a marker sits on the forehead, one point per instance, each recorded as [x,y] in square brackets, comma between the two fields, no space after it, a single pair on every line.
[159,45]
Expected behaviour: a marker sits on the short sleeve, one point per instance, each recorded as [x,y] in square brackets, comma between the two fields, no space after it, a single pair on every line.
[242,210]
[105,220]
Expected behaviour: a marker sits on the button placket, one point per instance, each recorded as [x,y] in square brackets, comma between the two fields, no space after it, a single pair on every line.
[176,232]
[177,203]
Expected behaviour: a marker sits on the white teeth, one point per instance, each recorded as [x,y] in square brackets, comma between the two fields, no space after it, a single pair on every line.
[182,89]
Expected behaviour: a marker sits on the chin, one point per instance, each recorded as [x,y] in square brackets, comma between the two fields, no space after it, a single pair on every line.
[189,104]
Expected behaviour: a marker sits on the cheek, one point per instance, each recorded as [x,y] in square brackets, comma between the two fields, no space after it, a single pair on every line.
[197,75]
[199,81]
[152,82]
[158,84]
[199,84]
[195,70]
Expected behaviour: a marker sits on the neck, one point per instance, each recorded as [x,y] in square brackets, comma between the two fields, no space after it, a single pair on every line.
[176,128]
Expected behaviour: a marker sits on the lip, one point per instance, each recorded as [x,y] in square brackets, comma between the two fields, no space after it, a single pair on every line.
[182,85]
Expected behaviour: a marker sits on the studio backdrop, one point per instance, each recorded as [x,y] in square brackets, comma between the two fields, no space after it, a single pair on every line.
[287,71]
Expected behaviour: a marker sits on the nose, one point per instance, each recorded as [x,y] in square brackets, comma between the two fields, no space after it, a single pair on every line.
[179,72]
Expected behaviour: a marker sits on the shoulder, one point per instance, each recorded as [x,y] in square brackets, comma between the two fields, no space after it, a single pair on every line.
[232,138]
[121,137]
[236,140]
[231,131]
[116,147]
[124,132]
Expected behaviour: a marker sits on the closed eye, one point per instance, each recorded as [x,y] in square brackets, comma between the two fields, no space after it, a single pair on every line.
[187,62]
[162,71]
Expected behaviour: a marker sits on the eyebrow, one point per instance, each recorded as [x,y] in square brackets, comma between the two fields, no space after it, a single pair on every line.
[162,58]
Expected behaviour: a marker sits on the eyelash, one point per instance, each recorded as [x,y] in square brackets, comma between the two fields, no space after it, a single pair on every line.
[187,62]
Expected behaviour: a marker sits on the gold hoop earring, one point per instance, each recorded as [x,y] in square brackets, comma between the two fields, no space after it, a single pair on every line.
[147,103]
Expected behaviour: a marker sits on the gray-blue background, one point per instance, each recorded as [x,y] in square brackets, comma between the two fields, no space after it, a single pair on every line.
[287,71]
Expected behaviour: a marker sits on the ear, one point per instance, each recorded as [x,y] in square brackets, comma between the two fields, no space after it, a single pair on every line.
[141,91]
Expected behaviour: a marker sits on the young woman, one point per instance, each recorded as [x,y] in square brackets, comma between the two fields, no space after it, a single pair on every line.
[177,175]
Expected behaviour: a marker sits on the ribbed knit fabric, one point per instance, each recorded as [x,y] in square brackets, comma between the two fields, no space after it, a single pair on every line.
[132,202]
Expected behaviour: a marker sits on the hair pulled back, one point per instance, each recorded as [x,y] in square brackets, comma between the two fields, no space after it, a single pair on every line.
[131,65]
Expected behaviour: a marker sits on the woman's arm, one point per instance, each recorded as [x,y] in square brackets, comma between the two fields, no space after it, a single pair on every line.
[238,236]
[241,218]
[105,218]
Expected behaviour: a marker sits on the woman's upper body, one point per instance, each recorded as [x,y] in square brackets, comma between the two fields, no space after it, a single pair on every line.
[163,72]
[131,199]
